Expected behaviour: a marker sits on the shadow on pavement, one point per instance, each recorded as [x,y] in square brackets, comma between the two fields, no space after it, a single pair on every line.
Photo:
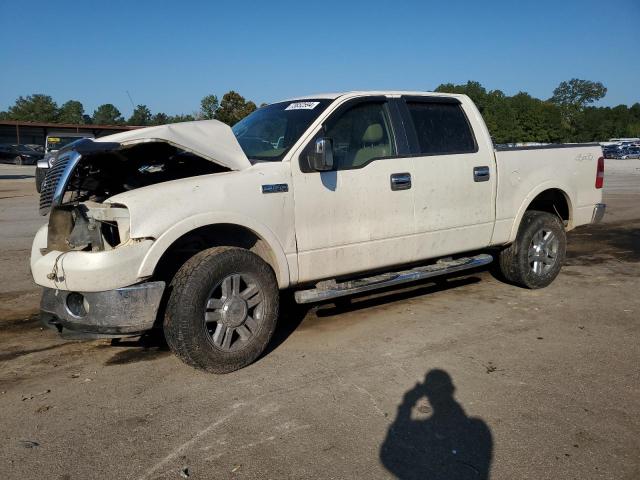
[15,177]
[445,445]
[148,347]
[293,314]
[595,243]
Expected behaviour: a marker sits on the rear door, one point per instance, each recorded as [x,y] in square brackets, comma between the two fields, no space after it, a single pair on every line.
[454,178]
[358,216]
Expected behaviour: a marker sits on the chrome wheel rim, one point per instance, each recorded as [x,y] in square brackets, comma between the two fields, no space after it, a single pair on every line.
[543,251]
[234,312]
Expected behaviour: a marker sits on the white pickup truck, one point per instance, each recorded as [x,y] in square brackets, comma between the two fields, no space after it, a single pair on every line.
[196,227]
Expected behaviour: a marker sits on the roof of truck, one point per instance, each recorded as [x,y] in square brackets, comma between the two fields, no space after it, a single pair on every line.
[357,93]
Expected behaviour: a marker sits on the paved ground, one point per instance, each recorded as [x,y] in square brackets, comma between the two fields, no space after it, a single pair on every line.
[460,378]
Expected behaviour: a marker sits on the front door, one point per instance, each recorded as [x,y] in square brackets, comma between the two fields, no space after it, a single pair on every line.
[358,216]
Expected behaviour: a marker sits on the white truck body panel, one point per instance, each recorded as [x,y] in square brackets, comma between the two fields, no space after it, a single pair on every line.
[525,173]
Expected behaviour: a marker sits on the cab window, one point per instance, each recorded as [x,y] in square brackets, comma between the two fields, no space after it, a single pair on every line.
[441,128]
[360,135]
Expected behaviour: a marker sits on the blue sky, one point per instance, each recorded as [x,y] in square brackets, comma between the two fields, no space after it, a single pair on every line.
[168,55]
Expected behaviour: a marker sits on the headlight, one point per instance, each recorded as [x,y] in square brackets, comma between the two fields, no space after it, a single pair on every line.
[114,220]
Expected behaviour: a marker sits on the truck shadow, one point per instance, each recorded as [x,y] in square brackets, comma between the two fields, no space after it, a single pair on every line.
[15,177]
[153,345]
[598,243]
[439,441]
[142,349]
[293,314]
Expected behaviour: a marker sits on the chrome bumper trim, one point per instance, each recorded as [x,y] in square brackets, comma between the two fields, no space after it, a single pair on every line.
[125,310]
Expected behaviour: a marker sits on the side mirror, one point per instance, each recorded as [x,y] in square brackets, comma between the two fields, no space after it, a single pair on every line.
[322,156]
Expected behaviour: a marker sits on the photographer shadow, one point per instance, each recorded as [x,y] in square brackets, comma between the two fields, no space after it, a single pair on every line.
[446,445]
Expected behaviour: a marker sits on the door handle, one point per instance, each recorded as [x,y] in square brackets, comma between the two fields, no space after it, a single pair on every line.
[400,181]
[481,174]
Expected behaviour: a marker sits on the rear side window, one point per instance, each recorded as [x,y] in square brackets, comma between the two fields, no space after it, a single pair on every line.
[442,128]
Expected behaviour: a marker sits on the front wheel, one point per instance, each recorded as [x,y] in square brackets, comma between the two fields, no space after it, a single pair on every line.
[222,309]
[535,258]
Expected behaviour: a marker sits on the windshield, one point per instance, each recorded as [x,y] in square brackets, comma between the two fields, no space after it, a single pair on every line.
[56,143]
[269,132]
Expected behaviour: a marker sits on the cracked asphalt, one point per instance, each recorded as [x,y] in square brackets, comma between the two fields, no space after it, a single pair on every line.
[461,378]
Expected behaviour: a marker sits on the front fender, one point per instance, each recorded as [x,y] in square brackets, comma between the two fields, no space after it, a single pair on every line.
[162,243]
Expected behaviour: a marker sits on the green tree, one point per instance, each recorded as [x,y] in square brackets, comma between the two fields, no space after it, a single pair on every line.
[472,89]
[107,114]
[141,116]
[181,118]
[34,108]
[573,96]
[71,112]
[233,108]
[208,107]
[160,119]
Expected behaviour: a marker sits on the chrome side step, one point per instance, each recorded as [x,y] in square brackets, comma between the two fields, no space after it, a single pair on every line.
[331,289]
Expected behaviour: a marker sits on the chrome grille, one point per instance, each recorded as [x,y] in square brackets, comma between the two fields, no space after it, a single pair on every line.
[55,182]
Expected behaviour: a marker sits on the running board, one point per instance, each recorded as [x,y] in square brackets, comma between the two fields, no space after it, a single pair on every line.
[330,289]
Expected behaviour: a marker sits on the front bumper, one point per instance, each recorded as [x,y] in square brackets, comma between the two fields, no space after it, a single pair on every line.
[598,212]
[87,271]
[112,313]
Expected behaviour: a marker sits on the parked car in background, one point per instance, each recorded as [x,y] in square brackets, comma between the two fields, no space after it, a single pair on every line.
[19,154]
[630,152]
[36,147]
[54,142]
[610,151]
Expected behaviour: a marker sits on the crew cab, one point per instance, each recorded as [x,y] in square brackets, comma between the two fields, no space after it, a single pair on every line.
[196,227]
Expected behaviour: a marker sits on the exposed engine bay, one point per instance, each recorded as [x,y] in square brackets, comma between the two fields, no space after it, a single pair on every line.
[80,220]
[103,174]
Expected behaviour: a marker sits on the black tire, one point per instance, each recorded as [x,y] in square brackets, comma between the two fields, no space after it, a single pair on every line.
[40,174]
[515,261]
[187,332]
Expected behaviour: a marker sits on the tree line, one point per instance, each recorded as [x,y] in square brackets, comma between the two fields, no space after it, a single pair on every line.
[568,116]
[42,108]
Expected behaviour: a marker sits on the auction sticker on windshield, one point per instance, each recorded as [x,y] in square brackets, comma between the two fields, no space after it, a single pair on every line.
[302,106]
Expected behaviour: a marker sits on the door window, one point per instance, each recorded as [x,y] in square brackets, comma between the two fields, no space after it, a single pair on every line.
[360,135]
[442,128]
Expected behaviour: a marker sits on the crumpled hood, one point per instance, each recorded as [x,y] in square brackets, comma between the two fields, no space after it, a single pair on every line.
[209,139]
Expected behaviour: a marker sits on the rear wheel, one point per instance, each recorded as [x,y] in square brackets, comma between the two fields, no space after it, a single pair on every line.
[535,258]
[222,309]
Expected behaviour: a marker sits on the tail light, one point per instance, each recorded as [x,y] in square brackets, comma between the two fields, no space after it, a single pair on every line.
[600,173]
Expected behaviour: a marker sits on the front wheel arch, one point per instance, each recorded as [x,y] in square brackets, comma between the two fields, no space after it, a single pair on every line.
[209,236]
[267,245]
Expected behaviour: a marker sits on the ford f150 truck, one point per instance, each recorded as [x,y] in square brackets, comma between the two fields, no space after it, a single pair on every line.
[196,227]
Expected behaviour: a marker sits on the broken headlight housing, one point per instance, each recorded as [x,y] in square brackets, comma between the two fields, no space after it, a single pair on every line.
[87,226]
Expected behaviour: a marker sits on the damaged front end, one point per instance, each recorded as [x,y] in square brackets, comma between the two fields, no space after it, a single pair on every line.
[84,257]
[88,173]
